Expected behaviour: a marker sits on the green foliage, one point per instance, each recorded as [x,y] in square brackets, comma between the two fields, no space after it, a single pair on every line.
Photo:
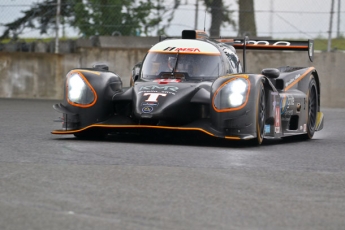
[94,17]
[109,17]
[337,44]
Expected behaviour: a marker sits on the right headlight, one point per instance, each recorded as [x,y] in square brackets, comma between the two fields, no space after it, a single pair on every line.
[79,93]
[231,95]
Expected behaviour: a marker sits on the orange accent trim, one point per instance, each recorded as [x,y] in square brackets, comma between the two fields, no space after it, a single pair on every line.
[88,71]
[271,46]
[90,86]
[299,79]
[183,52]
[130,126]
[232,138]
[236,108]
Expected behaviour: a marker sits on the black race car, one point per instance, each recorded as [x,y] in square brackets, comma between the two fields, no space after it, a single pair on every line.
[195,83]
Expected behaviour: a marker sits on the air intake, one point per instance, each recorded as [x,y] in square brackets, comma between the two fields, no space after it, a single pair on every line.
[194,34]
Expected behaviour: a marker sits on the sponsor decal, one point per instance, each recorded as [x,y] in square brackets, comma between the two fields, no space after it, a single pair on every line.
[292,80]
[311,49]
[153,97]
[264,43]
[150,104]
[159,89]
[156,87]
[275,101]
[287,115]
[285,103]
[166,81]
[267,128]
[277,129]
[277,120]
[180,49]
[305,127]
[147,109]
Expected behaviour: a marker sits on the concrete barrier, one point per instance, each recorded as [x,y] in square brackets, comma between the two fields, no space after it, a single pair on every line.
[41,75]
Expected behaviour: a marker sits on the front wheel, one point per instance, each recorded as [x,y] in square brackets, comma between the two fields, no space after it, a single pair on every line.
[260,115]
[312,109]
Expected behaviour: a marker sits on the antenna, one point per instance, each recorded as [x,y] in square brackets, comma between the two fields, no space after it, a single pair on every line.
[205,21]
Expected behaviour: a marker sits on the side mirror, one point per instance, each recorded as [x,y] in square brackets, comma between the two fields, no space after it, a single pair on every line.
[135,73]
[271,72]
[101,67]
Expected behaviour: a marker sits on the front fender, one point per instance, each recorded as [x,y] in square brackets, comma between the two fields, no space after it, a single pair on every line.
[103,85]
[240,120]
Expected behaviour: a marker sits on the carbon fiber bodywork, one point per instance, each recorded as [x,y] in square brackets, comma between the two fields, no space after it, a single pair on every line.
[276,103]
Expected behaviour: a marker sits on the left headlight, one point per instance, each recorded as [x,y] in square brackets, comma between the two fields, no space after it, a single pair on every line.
[78,92]
[231,94]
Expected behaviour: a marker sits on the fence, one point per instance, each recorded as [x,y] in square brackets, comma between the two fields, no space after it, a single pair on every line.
[299,19]
[41,75]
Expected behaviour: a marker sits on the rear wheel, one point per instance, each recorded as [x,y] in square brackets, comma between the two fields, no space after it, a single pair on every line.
[312,109]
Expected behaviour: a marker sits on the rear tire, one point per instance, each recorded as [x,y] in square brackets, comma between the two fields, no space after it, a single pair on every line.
[313,107]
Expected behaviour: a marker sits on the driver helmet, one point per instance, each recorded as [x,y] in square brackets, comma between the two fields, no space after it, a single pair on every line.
[186,63]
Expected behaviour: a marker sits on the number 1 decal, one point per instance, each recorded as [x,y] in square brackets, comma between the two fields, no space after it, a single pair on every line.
[154,96]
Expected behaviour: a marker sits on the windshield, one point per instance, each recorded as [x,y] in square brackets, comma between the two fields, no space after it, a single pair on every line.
[195,65]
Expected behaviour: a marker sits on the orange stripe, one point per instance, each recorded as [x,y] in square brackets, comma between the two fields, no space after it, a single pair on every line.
[299,79]
[271,46]
[130,126]
[231,109]
[88,71]
[183,52]
[87,82]
[232,138]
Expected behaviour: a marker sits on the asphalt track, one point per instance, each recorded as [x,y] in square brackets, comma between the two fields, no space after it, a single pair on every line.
[59,182]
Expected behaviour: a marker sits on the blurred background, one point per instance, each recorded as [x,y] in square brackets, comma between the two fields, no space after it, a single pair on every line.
[41,40]
[70,19]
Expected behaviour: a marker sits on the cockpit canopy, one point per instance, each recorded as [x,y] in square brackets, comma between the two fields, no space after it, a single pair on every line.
[195,65]
[187,58]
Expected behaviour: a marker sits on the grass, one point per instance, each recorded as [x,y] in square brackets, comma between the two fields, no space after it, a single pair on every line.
[321,44]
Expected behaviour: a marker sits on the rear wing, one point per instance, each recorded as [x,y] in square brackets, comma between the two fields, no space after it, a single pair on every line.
[252,44]
[270,45]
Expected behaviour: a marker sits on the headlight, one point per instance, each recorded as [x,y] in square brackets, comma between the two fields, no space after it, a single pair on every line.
[78,92]
[231,94]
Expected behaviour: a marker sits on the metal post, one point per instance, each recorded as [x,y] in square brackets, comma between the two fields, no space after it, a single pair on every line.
[271,19]
[196,14]
[58,7]
[244,52]
[338,22]
[330,28]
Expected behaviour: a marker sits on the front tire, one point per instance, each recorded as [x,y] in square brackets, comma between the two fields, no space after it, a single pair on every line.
[260,115]
[312,109]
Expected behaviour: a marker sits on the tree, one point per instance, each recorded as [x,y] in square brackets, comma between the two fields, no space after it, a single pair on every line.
[41,16]
[91,17]
[117,17]
[111,17]
[220,16]
[247,24]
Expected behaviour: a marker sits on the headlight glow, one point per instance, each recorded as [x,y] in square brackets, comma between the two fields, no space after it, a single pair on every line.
[79,93]
[232,94]
[76,88]
[236,99]
[238,86]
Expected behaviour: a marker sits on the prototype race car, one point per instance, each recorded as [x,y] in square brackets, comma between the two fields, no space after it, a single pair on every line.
[195,83]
